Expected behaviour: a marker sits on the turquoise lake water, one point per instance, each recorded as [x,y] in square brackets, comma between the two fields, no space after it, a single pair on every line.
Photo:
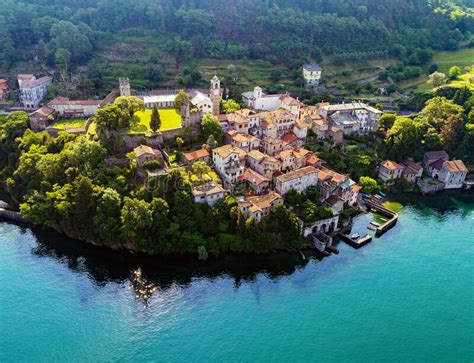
[408,296]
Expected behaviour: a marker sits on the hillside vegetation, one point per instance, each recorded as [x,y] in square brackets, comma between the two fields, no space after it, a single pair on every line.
[178,42]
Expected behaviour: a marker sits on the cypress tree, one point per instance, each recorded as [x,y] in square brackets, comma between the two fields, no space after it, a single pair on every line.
[155,121]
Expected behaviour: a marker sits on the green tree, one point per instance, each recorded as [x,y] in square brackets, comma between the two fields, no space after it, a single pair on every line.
[229,106]
[438,109]
[177,101]
[387,120]
[210,125]
[155,121]
[211,143]
[452,133]
[368,184]
[454,72]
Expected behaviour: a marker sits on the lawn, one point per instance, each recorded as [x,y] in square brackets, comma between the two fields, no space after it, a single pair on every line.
[462,58]
[170,119]
[69,124]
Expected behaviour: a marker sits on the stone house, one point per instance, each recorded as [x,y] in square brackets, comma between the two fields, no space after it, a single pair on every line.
[412,171]
[260,206]
[263,164]
[433,161]
[41,118]
[145,153]
[256,181]
[390,170]
[196,155]
[246,142]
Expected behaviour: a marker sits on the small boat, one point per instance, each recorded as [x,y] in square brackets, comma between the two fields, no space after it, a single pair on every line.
[371,228]
[355,235]
[375,224]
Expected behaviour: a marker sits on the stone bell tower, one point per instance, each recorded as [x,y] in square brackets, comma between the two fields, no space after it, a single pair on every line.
[215,95]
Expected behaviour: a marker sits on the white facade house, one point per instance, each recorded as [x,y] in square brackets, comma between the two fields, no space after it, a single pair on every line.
[75,108]
[298,180]
[312,74]
[229,163]
[33,90]
[452,174]
[209,193]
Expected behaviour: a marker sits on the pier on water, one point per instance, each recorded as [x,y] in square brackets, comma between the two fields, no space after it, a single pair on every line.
[380,209]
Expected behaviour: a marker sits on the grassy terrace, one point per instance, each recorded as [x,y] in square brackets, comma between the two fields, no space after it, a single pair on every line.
[445,60]
[69,124]
[170,119]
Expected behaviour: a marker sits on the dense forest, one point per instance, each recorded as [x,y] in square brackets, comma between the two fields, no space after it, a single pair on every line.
[63,34]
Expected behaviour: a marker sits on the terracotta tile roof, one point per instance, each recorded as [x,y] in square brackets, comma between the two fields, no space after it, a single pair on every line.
[312,159]
[254,177]
[391,165]
[256,154]
[143,149]
[297,174]
[455,166]
[226,150]
[265,201]
[300,152]
[290,101]
[43,111]
[196,154]
[207,189]
[325,174]
[412,165]
[289,138]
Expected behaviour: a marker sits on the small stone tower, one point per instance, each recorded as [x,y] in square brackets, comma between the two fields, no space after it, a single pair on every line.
[124,87]
[216,95]
[185,112]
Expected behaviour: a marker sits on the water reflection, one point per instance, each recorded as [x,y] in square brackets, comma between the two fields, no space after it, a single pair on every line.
[154,276]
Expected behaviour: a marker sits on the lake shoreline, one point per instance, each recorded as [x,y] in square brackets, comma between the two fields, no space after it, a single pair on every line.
[179,258]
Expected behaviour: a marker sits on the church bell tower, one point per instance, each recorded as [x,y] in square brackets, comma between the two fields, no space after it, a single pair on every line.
[216,95]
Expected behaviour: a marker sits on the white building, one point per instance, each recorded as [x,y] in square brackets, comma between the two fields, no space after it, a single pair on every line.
[452,174]
[312,74]
[209,193]
[258,100]
[205,100]
[298,180]
[32,90]
[352,117]
[229,162]
[75,108]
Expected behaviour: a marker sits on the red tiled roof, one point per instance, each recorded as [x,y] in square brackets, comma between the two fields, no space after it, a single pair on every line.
[197,154]
[289,138]
[391,165]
